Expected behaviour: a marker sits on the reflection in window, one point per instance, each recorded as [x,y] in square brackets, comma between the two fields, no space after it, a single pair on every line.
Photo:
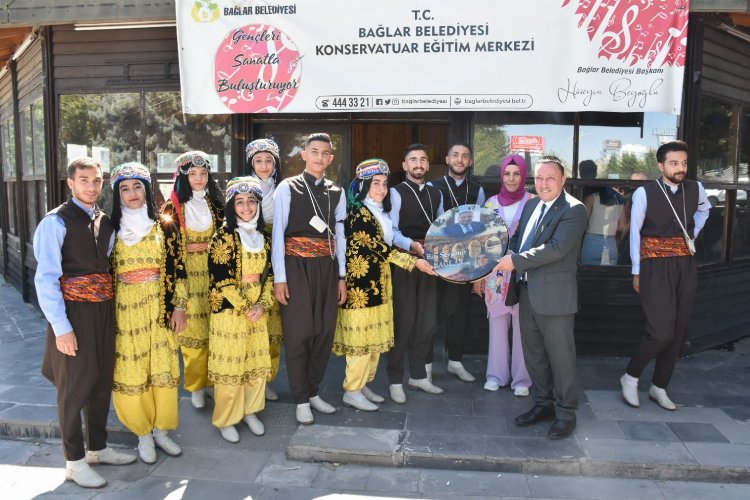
[8,146]
[169,133]
[494,141]
[716,144]
[741,238]
[32,129]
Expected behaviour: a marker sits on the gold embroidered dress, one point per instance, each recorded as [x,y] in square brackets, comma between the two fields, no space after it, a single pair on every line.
[239,361]
[275,331]
[365,323]
[148,275]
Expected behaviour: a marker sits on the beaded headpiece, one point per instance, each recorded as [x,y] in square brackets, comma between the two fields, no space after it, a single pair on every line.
[370,168]
[246,184]
[130,170]
[192,159]
[262,146]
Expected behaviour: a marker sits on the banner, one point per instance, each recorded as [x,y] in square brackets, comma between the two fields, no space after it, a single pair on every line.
[317,56]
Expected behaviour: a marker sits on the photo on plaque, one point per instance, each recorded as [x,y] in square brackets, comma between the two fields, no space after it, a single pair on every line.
[466,243]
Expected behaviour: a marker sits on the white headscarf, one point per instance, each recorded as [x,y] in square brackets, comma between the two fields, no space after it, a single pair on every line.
[268,187]
[385,223]
[197,214]
[252,239]
[134,225]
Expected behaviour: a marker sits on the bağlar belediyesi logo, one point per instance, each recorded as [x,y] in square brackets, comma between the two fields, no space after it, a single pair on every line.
[257,69]
[205,11]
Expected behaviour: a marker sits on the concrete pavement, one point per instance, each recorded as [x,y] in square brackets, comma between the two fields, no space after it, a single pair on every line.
[465,430]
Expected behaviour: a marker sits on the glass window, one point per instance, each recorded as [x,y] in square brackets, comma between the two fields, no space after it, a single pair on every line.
[104,126]
[7,129]
[10,193]
[741,232]
[169,133]
[40,159]
[27,158]
[716,144]
[495,140]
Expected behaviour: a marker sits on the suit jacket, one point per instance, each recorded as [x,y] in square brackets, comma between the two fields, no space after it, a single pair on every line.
[551,264]
[456,231]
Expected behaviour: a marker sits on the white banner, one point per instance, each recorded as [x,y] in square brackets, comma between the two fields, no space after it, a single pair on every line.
[312,56]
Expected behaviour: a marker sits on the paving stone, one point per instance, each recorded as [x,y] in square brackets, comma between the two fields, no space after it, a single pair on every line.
[535,448]
[345,444]
[445,424]
[639,452]
[350,417]
[720,454]
[696,432]
[464,483]
[393,480]
[647,431]
[342,478]
[278,471]
[735,432]
[683,490]
[214,465]
[608,405]
[16,452]
[591,488]
[270,492]
[445,446]
[39,396]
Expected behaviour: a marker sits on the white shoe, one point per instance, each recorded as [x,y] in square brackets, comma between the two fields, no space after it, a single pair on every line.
[304,414]
[659,396]
[375,398]
[271,394]
[358,400]
[428,371]
[198,398]
[318,404]
[146,449]
[83,475]
[491,386]
[521,391]
[163,441]
[424,385]
[397,393]
[229,433]
[629,392]
[254,424]
[109,456]
[457,369]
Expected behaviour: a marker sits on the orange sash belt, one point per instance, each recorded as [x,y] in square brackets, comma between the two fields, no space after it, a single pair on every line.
[301,246]
[654,247]
[197,247]
[87,288]
[139,276]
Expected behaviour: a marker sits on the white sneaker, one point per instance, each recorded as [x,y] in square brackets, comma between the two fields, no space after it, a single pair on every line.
[254,424]
[358,400]
[428,371]
[397,393]
[198,398]
[229,433]
[109,456]
[318,404]
[659,396]
[146,449]
[271,394]
[304,414]
[629,392]
[491,386]
[457,369]
[83,475]
[424,385]
[163,441]
[521,391]
[375,398]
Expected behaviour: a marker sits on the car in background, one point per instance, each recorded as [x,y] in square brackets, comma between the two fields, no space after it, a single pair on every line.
[718,196]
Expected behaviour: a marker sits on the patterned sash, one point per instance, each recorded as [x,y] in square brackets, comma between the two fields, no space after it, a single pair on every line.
[300,246]
[654,247]
[87,288]
[139,276]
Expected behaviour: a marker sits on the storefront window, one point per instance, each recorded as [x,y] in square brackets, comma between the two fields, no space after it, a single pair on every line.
[741,239]
[8,138]
[716,140]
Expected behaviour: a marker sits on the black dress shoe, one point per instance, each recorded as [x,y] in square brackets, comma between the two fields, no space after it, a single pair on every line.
[561,428]
[538,413]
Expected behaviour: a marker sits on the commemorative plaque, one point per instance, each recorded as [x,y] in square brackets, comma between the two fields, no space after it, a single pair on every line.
[466,243]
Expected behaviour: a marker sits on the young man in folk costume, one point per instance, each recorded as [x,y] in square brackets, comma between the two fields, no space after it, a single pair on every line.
[151,296]
[457,189]
[74,288]
[309,250]
[365,323]
[196,205]
[415,205]
[241,295]
[264,164]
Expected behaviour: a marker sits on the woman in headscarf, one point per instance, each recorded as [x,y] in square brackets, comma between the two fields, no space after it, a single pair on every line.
[364,326]
[241,294]
[263,163]
[150,301]
[195,204]
[504,366]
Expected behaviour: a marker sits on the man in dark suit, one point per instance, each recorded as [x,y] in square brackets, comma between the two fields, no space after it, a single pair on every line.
[465,225]
[546,248]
